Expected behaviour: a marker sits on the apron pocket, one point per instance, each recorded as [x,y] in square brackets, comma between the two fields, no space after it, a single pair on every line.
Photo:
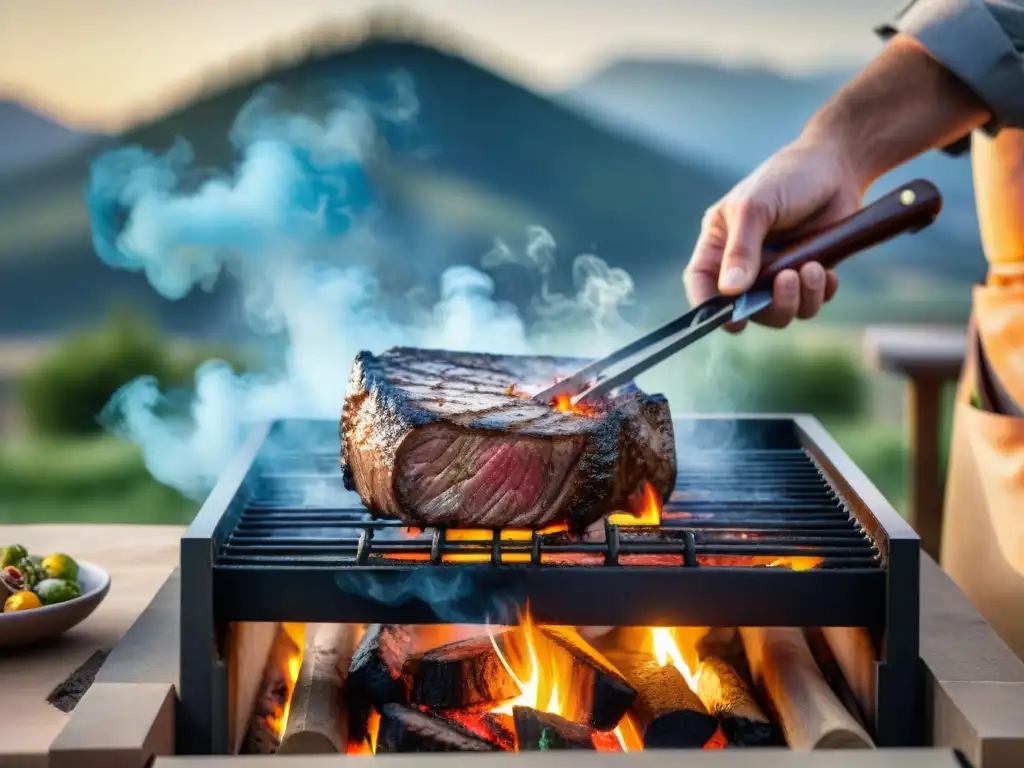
[997,445]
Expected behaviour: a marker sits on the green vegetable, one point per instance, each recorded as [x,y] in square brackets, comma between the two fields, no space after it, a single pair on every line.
[12,554]
[53,591]
[30,571]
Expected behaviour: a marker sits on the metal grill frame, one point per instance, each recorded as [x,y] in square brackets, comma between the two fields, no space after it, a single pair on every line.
[885,599]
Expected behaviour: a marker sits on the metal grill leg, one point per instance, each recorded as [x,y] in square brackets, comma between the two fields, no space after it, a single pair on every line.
[899,678]
[202,711]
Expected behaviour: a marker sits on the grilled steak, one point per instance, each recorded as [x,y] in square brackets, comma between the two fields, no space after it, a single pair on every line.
[452,438]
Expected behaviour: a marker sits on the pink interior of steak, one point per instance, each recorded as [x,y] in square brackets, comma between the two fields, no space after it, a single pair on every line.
[454,476]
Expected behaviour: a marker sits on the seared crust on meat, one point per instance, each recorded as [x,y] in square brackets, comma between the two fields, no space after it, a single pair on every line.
[449,438]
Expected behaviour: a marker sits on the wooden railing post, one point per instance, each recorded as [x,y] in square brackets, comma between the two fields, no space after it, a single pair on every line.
[926,484]
[929,358]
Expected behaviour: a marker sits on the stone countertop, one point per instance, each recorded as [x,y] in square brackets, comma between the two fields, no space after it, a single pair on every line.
[139,559]
[975,682]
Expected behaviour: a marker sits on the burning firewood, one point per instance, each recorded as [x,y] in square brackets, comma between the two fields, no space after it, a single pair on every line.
[317,719]
[375,675]
[462,674]
[811,715]
[541,731]
[497,728]
[266,723]
[412,730]
[600,694]
[666,712]
[727,697]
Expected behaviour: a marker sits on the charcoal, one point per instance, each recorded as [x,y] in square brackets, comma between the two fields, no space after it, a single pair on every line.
[728,697]
[375,674]
[404,730]
[496,728]
[541,731]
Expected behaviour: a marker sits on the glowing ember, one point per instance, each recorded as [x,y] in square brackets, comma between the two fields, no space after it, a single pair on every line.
[562,402]
[565,404]
[644,510]
[507,534]
[718,741]
[798,563]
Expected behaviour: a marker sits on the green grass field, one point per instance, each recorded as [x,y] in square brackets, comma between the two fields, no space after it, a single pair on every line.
[103,480]
[83,480]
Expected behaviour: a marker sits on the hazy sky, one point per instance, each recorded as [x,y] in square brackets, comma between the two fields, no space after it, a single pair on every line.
[107,61]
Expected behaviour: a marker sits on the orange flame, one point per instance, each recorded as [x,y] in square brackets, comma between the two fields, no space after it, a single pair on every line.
[538,681]
[279,720]
[561,402]
[682,654]
[644,510]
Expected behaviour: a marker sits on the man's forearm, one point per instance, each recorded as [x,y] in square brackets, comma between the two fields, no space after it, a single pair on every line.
[902,104]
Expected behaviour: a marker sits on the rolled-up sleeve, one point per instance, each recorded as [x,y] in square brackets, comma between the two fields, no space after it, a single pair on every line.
[979,41]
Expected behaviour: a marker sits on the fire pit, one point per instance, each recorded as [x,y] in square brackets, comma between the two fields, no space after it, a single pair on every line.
[479,640]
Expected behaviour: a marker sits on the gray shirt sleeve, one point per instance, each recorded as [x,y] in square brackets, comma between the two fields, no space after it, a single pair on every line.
[979,41]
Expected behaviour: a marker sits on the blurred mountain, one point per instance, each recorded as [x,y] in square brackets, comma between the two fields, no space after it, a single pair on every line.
[486,158]
[29,140]
[734,119]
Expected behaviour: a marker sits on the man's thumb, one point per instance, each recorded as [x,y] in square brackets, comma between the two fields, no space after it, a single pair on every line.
[741,259]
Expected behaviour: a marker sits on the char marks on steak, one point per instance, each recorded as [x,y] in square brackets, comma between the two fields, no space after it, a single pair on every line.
[443,438]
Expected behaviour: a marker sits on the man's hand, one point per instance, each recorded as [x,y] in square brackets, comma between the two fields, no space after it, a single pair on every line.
[805,186]
[903,103]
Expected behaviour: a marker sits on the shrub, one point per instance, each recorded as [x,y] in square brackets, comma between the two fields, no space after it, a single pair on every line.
[756,376]
[827,382]
[66,391]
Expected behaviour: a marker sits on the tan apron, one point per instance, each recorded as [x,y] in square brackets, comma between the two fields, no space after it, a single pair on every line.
[983,537]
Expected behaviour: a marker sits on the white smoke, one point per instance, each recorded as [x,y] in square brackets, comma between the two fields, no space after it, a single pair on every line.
[288,224]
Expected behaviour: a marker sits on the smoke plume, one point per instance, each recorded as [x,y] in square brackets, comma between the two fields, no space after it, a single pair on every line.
[293,224]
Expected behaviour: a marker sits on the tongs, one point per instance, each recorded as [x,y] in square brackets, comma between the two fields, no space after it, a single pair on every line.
[910,208]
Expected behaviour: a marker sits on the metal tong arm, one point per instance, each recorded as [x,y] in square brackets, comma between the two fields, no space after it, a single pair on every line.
[911,207]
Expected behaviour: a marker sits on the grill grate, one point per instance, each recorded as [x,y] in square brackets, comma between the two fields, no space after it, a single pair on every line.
[730,508]
[279,539]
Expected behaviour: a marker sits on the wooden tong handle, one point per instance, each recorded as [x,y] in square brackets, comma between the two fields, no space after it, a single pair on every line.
[910,208]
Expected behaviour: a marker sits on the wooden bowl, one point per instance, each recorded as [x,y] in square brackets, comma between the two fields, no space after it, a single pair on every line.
[22,628]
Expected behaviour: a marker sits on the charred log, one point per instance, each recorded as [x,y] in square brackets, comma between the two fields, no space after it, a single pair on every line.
[411,730]
[541,731]
[498,729]
[317,719]
[727,696]
[376,673]
[462,674]
[666,712]
[601,695]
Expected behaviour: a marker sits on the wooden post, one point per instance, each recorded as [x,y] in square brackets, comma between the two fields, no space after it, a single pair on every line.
[926,482]
[929,358]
